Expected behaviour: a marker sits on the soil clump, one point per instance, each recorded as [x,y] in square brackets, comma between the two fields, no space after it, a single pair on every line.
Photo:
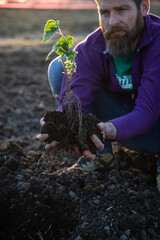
[63,127]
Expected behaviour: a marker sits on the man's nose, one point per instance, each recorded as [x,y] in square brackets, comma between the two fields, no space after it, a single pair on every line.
[113,20]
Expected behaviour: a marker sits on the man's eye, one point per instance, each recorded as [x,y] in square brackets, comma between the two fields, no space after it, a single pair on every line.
[104,13]
[122,9]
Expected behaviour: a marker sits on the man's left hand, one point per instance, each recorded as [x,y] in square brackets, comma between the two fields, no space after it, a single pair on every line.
[109,132]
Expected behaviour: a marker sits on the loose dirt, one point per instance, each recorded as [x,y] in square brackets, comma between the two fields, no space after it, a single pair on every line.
[65,128]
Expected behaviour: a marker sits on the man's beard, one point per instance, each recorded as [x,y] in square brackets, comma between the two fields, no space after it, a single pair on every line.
[120,46]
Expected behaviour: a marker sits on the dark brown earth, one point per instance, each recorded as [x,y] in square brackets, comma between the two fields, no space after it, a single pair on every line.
[71,130]
[40,198]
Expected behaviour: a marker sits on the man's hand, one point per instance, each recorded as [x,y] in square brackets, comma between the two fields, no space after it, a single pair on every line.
[43,138]
[107,129]
[109,133]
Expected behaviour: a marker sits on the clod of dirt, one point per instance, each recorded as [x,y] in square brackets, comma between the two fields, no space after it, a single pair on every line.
[64,128]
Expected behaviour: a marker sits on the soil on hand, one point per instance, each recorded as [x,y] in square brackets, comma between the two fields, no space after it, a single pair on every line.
[63,127]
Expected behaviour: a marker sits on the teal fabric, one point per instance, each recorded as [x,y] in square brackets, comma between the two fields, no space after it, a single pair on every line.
[123,71]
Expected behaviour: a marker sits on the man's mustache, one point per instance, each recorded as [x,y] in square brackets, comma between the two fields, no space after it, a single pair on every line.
[111,30]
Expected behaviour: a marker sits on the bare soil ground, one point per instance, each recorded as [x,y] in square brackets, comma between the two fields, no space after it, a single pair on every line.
[40,199]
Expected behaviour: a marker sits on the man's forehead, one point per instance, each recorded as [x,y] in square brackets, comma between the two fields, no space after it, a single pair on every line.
[115,2]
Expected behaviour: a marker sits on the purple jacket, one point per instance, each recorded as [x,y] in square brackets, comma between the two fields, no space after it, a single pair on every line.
[95,66]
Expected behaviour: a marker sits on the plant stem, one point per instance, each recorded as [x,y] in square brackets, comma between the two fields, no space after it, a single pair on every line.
[66,74]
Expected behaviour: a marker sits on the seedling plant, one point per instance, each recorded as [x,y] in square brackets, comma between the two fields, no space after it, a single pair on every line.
[69,127]
[63,48]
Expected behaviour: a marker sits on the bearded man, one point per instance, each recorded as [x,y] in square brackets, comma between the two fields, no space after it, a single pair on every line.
[117,79]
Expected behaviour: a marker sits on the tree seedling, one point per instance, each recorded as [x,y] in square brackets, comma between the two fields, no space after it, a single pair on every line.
[68,128]
[63,48]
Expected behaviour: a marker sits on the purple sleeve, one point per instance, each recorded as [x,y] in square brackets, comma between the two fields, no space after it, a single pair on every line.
[88,76]
[147,108]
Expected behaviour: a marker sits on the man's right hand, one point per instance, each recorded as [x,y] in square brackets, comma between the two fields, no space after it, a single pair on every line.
[43,138]
[102,126]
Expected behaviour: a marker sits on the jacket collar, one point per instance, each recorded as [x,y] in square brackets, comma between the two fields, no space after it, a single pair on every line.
[146,36]
[98,42]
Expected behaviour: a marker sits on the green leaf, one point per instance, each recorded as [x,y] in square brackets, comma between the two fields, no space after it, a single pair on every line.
[50,29]
[69,40]
[50,53]
[60,51]
[71,55]
[61,47]
[63,44]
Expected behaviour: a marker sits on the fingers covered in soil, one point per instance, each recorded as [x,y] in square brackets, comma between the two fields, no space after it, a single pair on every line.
[42,122]
[97,142]
[43,137]
[63,128]
[51,145]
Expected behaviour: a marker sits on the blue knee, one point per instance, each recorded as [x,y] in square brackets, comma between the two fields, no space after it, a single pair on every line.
[55,75]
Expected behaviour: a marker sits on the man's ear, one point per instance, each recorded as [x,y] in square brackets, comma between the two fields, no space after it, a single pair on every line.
[144,8]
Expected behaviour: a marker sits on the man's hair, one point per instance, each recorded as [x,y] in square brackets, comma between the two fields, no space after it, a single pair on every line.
[137,2]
